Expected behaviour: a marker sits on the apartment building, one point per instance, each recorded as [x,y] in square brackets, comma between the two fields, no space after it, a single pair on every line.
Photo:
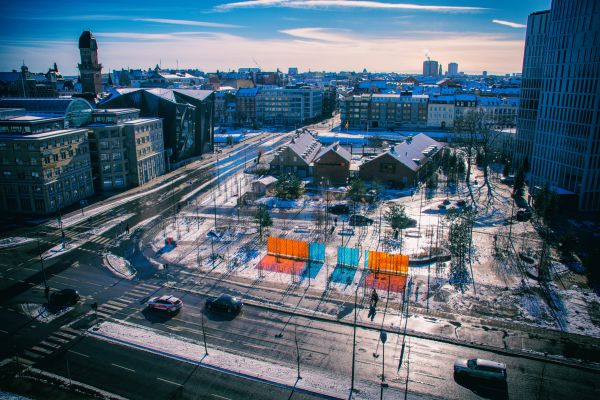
[45,167]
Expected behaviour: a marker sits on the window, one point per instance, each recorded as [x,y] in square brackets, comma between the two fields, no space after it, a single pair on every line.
[387,168]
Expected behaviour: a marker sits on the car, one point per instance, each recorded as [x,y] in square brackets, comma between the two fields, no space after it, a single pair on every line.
[64,297]
[508,180]
[480,369]
[523,215]
[224,303]
[339,209]
[166,303]
[359,220]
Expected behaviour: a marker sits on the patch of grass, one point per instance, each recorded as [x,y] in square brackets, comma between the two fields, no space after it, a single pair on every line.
[594,312]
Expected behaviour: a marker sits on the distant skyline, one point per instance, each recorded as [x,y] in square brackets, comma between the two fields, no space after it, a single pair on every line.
[330,35]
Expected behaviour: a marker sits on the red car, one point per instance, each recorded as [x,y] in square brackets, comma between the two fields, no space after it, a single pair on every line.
[166,303]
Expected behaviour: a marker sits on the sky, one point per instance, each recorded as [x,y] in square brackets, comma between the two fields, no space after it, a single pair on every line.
[316,35]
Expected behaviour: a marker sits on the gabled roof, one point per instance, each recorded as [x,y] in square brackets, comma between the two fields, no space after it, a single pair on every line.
[412,152]
[305,146]
[336,148]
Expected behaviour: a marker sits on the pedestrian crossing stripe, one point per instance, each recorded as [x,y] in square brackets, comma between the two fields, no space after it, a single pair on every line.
[128,300]
[31,354]
[52,346]
[41,350]
[103,314]
[57,339]
[111,307]
[24,360]
[153,287]
[66,335]
[117,303]
[70,330]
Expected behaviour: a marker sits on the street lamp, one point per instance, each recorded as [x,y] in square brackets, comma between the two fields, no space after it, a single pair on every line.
[383,337]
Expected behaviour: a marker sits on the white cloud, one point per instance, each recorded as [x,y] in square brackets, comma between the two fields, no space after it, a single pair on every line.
[186,22]
[508,23]
[308,48]
[313,4]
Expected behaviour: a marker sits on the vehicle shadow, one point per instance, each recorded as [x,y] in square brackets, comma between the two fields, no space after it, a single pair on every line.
[218,316]
[483,388]
[158,316]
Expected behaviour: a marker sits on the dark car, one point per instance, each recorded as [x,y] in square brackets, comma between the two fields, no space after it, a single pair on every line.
[359,220]
[224,303]
[339,209]
[523,215]
[64,297]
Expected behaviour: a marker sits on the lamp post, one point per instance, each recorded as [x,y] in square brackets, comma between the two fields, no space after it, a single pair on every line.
[46,288]
[383,337]
[354,342]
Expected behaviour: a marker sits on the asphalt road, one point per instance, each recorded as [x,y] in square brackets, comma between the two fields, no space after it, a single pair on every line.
[257,332]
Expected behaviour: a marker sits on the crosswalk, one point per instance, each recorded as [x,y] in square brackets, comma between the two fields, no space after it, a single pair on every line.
[66,334]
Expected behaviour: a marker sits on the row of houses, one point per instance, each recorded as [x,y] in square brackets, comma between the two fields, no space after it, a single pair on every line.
[399,166]
[412,111]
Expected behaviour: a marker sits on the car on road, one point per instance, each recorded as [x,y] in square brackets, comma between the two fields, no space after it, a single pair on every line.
[64,297]
[359,220]
[166,303]
[523,215]
[224,303]
[339,209]
[480,369]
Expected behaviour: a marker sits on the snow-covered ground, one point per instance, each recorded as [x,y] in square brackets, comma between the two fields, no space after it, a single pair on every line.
[40,313]
[14,241]
[119,266]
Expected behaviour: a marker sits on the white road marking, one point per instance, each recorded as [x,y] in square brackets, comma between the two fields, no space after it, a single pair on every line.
[167,381]
[216,396]
[122,367]
[79,354]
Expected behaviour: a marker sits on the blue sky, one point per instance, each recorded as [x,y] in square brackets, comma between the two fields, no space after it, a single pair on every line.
[380,35]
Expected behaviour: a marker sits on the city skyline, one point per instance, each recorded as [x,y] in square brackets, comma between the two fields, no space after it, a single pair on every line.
[315,35]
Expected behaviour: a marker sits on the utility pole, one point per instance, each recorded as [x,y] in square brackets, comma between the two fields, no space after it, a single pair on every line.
[297,351]
[354,342]
[383,337]
[204,336]
[46,288]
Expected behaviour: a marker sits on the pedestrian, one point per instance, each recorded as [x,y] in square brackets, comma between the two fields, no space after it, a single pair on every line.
[335,221]
[374,298]
[46,292]
[127,228]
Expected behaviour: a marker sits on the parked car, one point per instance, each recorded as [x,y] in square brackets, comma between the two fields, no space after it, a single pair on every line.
[480,369]
[339,209]
[166,303]
[224,303]
[359,220]
[64,297]
[508,180]
[523,215]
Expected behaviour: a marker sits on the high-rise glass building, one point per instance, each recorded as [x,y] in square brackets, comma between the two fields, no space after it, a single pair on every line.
[565,150]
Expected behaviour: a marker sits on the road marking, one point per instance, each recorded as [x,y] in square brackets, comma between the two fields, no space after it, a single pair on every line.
[219,397]
[167,381]
[3,331]
[79,354]
[120,366]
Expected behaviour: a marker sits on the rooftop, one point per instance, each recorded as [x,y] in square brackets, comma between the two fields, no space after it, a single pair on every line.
[40,136]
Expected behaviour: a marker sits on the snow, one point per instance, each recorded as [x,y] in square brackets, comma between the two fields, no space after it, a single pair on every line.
[14,241]
[40,313]
[119,266]
[185,349]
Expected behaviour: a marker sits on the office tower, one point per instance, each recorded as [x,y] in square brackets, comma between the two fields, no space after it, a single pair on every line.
[566,145]
[531,83]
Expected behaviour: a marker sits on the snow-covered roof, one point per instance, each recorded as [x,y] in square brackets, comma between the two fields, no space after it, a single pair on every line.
[412,152]
[305,146]
[336,148]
